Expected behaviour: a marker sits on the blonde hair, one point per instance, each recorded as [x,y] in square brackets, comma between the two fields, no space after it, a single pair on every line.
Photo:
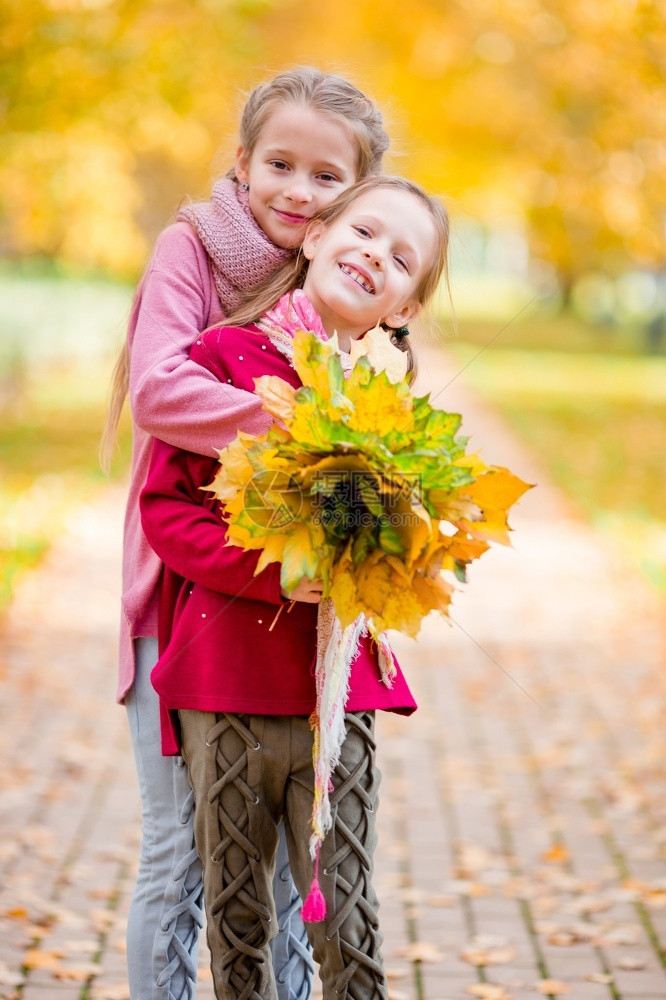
[303,86]
[292,274]
[328,94]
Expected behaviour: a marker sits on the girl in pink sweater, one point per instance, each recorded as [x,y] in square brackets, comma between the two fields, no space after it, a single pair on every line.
[304,137]
[235,677]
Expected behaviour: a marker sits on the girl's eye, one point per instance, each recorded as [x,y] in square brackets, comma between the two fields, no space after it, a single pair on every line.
[328,178]
[401,262]
[362,231]
[279,164]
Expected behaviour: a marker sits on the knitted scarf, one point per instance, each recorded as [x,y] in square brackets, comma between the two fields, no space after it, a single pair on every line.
[336,647]
[293,312]
[241,254]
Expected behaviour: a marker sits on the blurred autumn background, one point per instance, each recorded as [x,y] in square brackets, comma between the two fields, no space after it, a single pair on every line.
[542,124]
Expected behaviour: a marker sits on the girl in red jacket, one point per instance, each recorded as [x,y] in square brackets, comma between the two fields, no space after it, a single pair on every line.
[304,137]
[241,692]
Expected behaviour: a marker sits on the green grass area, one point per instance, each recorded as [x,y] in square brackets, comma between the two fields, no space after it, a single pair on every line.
[49,438]
[58,334]
[598,423]
[531,328]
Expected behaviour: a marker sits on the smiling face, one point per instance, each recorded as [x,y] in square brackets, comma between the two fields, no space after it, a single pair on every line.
[367,265]
[301,162]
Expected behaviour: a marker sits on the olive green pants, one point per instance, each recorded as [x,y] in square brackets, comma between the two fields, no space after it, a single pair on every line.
[248,772]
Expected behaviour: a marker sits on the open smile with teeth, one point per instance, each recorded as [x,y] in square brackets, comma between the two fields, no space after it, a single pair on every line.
[359,278]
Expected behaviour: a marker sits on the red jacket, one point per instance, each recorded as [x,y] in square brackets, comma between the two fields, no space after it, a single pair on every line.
[216,651]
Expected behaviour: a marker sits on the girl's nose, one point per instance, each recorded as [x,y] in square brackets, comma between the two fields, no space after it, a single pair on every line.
[373,257]
[299,191]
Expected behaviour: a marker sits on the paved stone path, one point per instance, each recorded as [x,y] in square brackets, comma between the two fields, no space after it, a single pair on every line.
[522,835]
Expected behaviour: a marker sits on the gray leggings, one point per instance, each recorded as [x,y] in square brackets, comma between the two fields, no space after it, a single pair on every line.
[248,773]
[166,910]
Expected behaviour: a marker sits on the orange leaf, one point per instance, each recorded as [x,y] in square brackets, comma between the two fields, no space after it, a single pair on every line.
[558,854]
[497,488]
[77,973]
[553,986]
[34,958]
[421,951]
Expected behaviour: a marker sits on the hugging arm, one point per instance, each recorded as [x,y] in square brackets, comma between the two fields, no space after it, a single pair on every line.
[172,396]
[188,534]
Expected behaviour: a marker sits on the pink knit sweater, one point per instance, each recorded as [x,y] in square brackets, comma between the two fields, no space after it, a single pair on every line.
[174,399]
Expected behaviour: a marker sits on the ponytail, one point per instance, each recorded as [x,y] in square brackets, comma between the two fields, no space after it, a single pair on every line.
[119,390]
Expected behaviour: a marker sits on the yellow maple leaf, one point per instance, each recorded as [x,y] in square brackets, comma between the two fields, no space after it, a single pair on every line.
[277,396]
[493,527]
[235,469]
[461,546]
[299,558]
[311,357]
[305,423]
[494,492]
[272,551]
[496,489]
[403,611]
[378,405]
[381,353]
[343,593]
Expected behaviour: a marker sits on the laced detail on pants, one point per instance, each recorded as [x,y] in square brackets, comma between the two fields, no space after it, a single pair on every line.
[352,802]
[184,919]
[243,965]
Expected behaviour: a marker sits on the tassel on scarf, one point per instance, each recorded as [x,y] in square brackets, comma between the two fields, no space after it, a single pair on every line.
[314,907]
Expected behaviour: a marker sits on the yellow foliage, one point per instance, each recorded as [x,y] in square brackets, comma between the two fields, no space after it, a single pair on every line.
[375,410]
[296,493]
[276,395]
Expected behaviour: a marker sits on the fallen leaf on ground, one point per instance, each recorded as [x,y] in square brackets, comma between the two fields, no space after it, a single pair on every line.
[631,964]
[563,939]
[421,951]
[99,893]
[656,898]
[463,887]
[590,904]
[488,950]
[553,986]
[488,991]
[620,935]
[440,900]
[34,958]
[102,920]
[599,977]
[557,854]
[77,973]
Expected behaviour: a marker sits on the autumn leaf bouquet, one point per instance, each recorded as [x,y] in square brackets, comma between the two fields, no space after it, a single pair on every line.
[371,490]
[364,486]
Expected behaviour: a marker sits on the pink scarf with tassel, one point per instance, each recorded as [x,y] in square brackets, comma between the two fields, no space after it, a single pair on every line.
[241,254]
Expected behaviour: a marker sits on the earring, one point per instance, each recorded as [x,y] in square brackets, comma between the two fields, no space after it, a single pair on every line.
[401,332]
[245,186]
